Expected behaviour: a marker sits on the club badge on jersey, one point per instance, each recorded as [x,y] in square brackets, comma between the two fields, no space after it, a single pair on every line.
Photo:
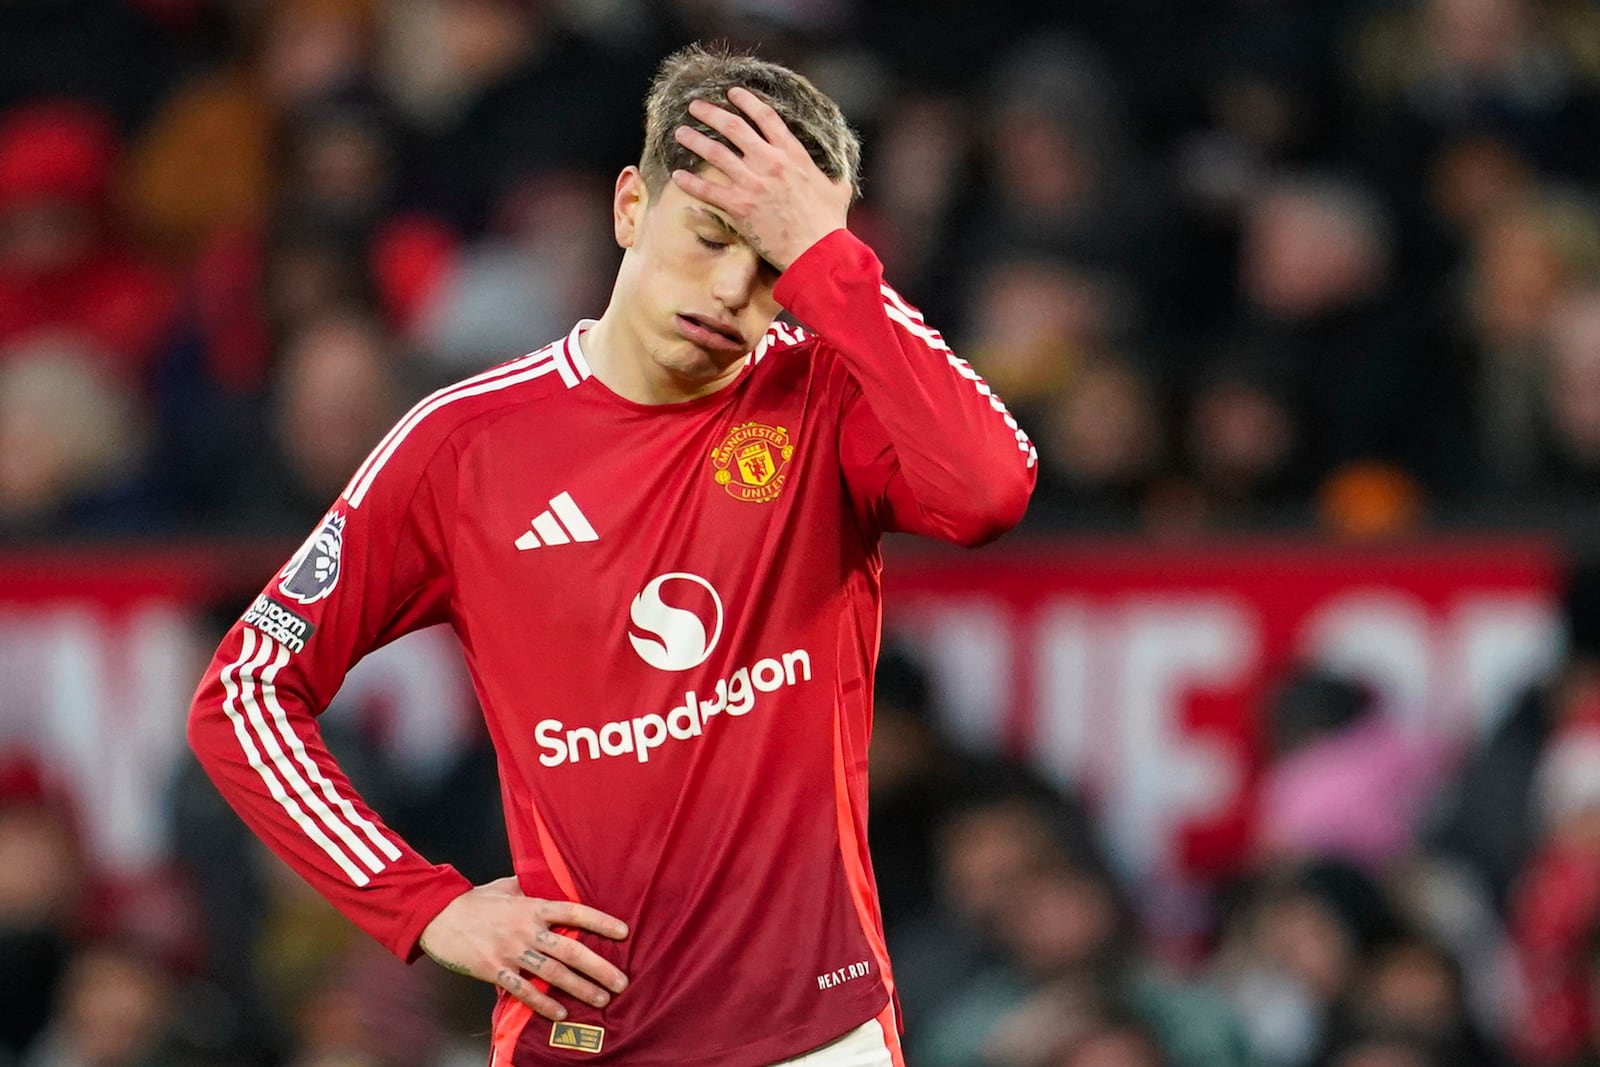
[752,462]
[313,572]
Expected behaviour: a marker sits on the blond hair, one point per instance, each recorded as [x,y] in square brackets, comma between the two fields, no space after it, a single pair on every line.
[702,73]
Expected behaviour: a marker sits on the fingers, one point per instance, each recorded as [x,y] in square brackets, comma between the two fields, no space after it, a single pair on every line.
[730,125]
[702,189]
[773,129]
[581,958]
[711,150]
[512,981]
[583,917]
[486,934]
[559,976]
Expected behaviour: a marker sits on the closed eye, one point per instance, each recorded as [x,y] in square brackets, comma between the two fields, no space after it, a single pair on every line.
[710,243]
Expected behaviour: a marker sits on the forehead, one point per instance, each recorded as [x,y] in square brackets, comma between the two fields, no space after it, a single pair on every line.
[678,203]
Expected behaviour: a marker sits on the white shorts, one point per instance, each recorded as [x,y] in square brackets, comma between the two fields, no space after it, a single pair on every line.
[868,1045]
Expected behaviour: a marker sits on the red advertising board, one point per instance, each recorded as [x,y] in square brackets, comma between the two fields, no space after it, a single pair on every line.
[1135,673]
[1139,674]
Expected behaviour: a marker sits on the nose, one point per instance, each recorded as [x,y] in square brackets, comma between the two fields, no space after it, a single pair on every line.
[736,279]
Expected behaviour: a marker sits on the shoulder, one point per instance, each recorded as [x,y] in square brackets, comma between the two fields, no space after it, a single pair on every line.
[451,414]
[794,355]
[783,341]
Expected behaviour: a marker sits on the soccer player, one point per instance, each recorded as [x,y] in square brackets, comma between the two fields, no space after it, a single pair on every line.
[658,541]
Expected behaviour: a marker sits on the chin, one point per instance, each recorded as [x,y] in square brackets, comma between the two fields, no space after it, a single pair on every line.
[689,360]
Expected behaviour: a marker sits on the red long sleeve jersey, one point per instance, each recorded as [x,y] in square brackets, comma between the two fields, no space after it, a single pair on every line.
[671,616]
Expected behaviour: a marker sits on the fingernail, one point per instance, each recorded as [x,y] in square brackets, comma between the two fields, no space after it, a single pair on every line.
[561,1013]
[601,999]
[619,985]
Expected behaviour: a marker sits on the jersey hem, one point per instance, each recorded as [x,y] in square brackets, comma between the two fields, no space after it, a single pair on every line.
[796,1041]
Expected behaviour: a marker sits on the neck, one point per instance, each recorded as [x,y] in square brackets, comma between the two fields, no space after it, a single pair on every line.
[621,359]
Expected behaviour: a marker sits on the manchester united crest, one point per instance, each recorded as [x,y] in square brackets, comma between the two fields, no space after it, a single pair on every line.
[752,463]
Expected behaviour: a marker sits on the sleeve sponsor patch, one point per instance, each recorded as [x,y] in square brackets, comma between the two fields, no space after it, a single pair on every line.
[313,572]
[286,627]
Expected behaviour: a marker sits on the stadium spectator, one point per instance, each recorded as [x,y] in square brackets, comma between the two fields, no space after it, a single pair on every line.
[1413,988]
[72,445]
[334,394]
[117,1006]
[207,163]
[42,896]
[1243,444]
[1114,1043]
[514,92]
[1570,401]
[1102,448]
[545,265]
[1291,949]
[1384,1050]
[1591,1048]
[1355,791]
[923,157]
[63,266]
[1001,826]
[1037,320]
[1488,819]
[1524,263]
[1555,905]
[1316,256]
[914,773]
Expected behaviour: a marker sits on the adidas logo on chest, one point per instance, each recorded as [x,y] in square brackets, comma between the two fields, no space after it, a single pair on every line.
[563,523]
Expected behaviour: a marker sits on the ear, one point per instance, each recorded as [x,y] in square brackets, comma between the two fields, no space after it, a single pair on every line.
[629,201]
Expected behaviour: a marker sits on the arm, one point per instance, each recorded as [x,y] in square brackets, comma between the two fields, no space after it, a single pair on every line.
[927,446]
[367,575]
[377,567]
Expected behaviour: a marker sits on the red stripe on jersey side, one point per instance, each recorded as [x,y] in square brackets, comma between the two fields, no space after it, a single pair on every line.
[508,1027]
[855,867]
[552,855]
[515,1016]
[891,1035]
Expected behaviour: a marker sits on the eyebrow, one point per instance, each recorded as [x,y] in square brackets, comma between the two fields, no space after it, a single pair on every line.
[715,219]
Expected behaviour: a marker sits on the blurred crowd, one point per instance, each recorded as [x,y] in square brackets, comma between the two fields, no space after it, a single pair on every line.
[1236,264]
[1402,904]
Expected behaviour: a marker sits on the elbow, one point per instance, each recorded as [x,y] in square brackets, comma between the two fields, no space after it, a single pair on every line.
[205,711]
[993,508]
[195,730]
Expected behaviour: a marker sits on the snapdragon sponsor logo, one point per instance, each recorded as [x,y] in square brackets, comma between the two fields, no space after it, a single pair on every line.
[736,696]
[677,638]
